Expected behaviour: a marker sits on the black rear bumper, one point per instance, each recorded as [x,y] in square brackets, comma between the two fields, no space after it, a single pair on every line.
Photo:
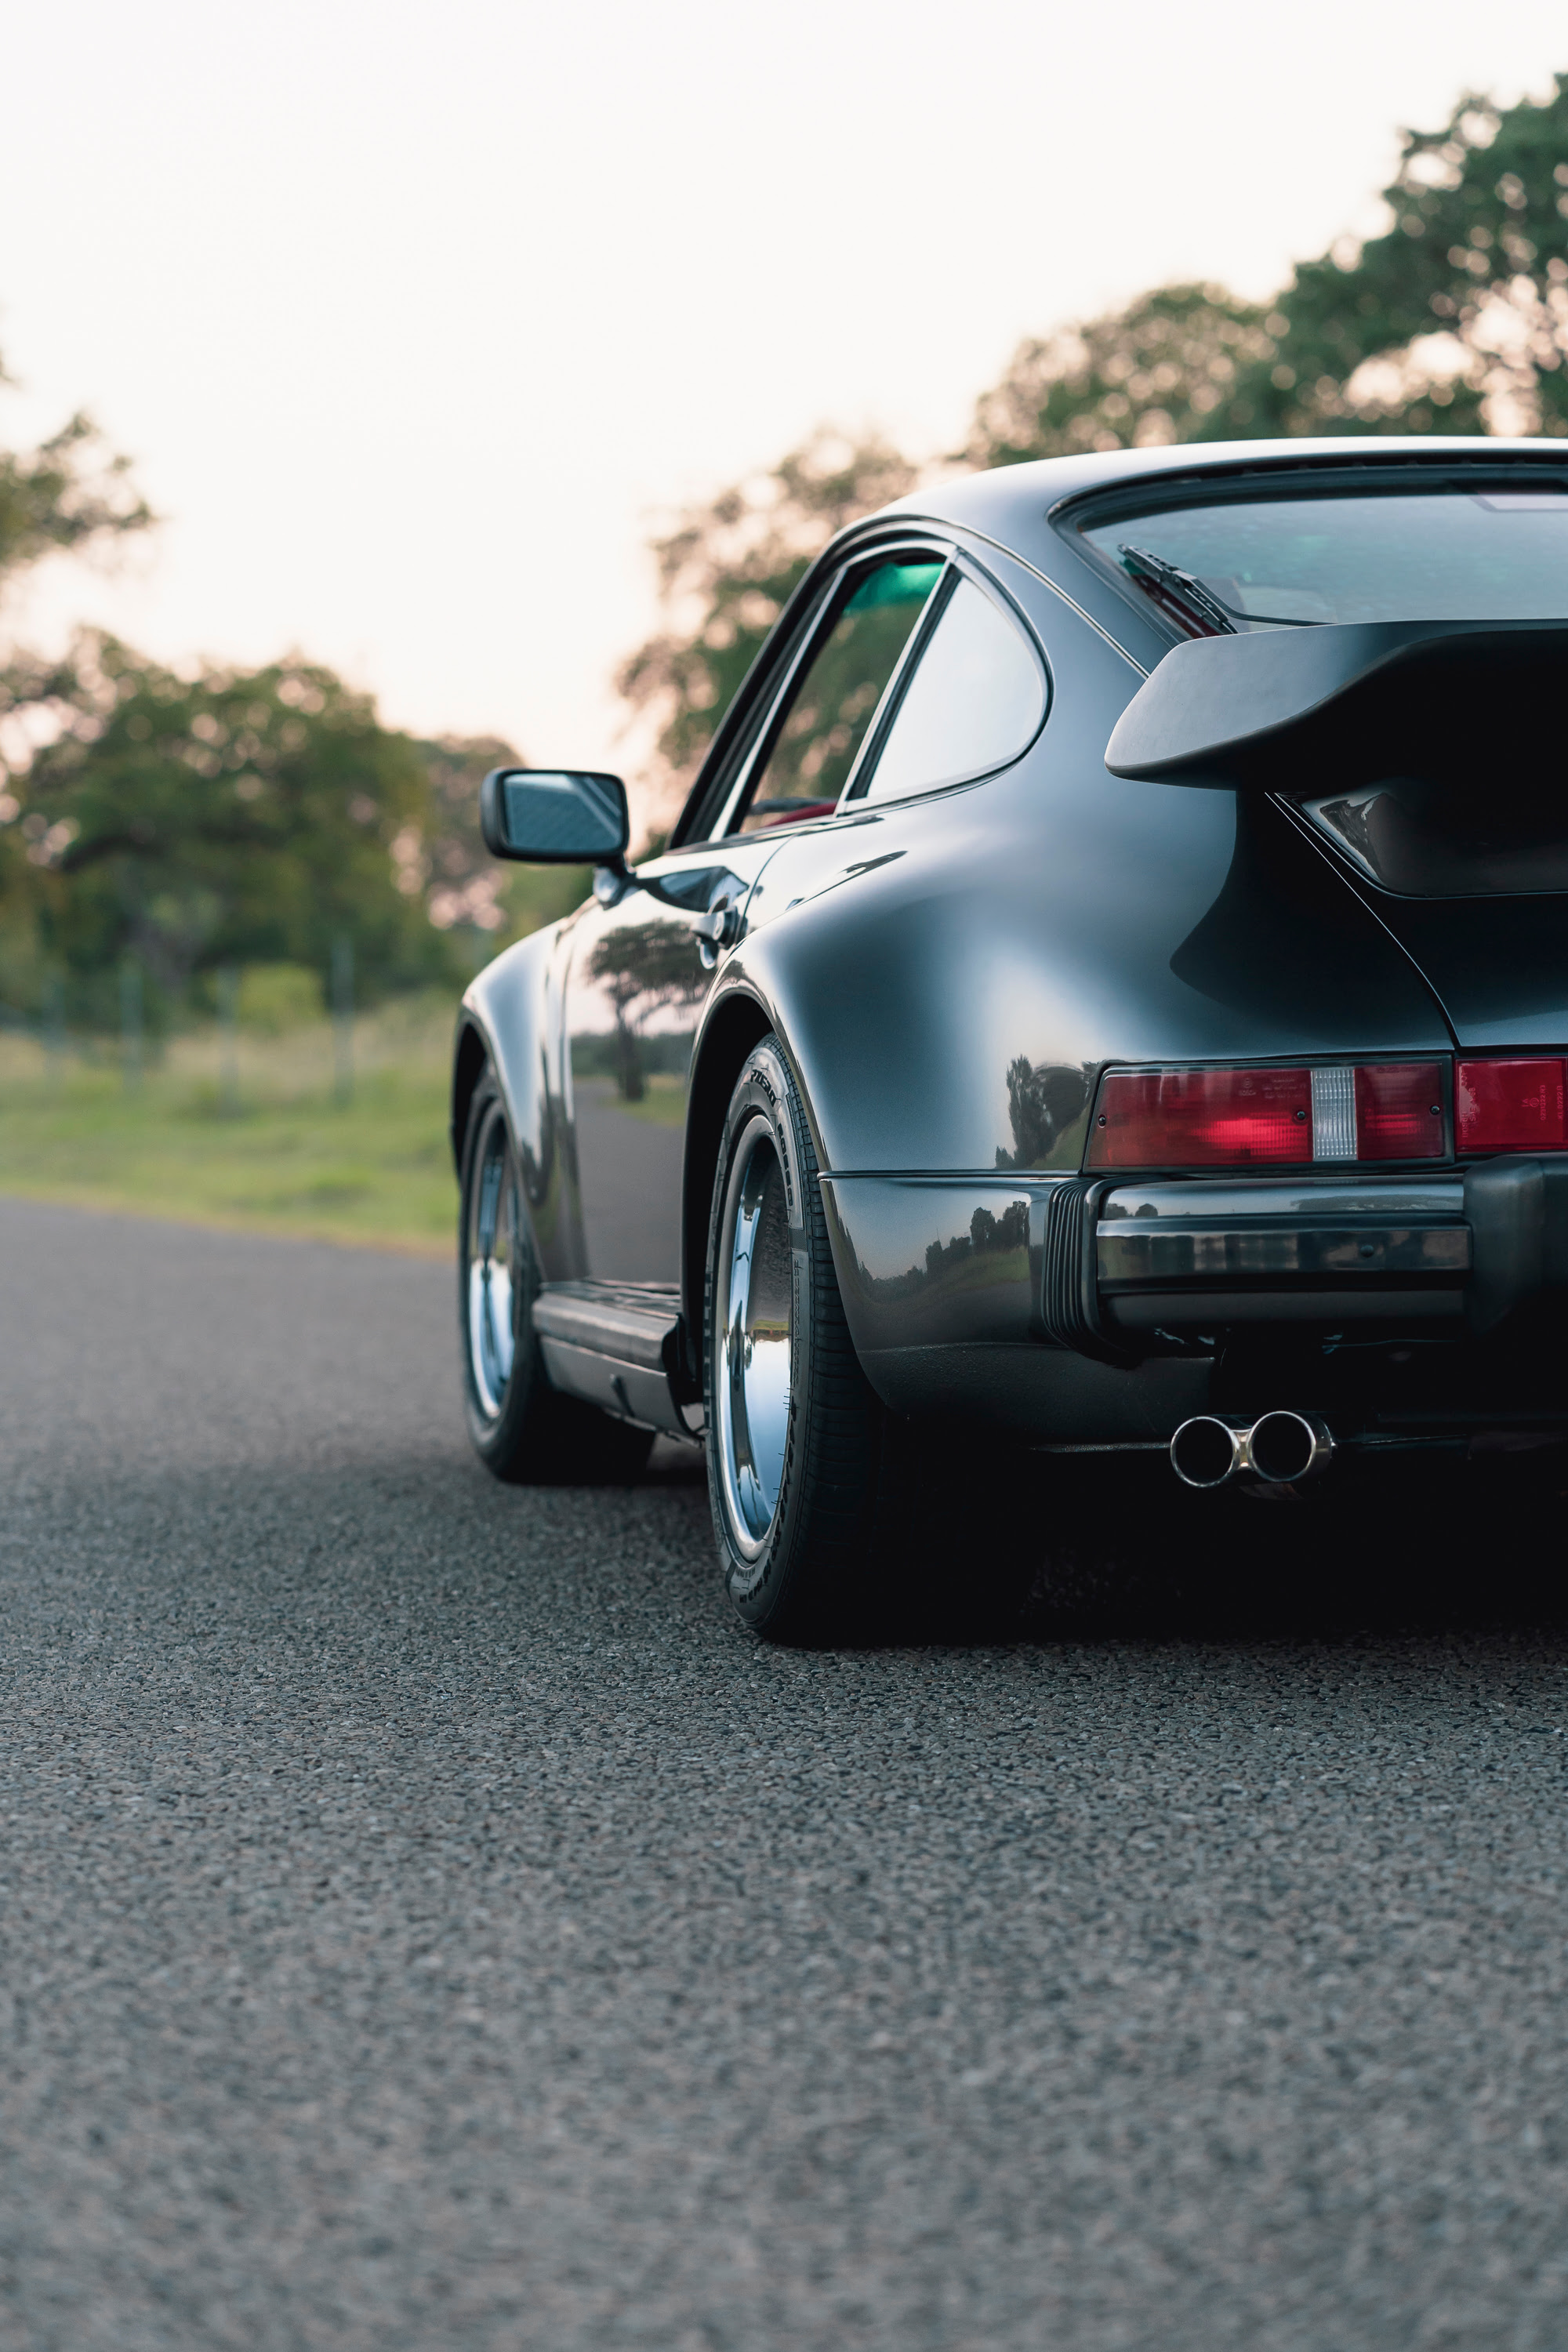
[1457,1257]
[978,1295]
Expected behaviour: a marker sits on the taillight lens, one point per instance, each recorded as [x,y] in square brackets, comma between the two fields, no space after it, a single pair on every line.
[1337,1111]
[1509,1106]
[1229,1119]
[1202,1119]
[1399,1110]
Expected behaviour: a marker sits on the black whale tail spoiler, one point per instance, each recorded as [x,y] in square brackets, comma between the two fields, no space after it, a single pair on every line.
[1293,708]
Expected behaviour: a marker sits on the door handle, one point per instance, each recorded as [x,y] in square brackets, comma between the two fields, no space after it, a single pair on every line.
[719,927]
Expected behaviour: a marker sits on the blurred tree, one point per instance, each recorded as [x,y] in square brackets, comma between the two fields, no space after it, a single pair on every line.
[464,881]
[1177,365]
[467,886]
[1455,319]
[725,572]
[70,495]
[199,821]
[226,818]
[67,494]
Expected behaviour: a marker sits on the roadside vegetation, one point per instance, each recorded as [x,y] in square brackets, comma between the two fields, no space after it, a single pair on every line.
[267,1125]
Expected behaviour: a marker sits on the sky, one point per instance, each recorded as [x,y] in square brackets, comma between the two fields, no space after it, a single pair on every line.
[417,319]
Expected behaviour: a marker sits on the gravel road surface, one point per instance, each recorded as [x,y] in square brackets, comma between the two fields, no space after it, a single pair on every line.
[429,1922]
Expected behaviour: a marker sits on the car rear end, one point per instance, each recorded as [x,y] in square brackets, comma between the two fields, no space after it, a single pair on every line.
[1378,1241]
[1380,1245]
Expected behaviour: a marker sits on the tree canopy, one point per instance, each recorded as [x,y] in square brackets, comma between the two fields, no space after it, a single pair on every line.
[727,570]
[219,816]
[1176,364]
[1455,318]
[230,817]
[465,884]
[70,493]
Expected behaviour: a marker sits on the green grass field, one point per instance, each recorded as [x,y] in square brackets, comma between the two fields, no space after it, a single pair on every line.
[288,1159]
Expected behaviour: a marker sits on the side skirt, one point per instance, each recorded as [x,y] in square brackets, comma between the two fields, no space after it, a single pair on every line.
[619,1345]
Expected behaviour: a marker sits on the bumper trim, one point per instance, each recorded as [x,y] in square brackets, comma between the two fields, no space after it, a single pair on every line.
[1129,1255]
[1203,1252]
[1212,1310]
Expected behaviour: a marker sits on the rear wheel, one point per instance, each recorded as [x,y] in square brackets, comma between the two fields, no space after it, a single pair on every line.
[802,1457]
[522,1429]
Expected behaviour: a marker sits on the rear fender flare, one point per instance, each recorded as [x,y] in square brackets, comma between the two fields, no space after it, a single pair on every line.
[505,1020]
[738,1017]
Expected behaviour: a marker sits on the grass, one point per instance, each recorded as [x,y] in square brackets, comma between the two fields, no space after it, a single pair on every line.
[284,1158]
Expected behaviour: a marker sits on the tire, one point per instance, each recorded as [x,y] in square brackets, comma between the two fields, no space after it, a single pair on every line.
[523,1430]
[802,1455]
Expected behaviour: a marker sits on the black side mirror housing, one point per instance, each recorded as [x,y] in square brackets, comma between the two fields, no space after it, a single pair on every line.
[554,816]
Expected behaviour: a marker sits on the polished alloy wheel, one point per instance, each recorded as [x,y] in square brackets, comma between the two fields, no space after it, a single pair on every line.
[751,1338]
[495,1263]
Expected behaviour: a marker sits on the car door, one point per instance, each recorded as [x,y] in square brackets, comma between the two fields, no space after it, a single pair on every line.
[637,980]
[640,972]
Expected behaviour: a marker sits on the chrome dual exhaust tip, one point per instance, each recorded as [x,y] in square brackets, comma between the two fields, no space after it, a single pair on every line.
[1277,1449]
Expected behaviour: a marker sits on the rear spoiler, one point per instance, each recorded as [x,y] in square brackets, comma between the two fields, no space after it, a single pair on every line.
[1297,709]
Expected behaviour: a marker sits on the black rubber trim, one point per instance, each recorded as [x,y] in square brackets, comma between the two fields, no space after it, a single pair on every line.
[1069,1289]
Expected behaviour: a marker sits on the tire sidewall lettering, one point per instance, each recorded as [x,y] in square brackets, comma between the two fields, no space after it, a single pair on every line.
[767,1073]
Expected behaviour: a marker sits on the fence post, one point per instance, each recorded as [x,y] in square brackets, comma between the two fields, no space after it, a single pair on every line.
[343,1020]
[131,1022]
[55,1028]
[229,1038]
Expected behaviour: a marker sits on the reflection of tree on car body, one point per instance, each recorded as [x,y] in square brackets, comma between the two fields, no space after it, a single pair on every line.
[642,968]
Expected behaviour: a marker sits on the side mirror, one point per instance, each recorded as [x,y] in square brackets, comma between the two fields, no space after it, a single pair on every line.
[552,816]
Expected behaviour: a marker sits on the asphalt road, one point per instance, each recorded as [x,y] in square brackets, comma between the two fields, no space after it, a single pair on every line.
[429,1922]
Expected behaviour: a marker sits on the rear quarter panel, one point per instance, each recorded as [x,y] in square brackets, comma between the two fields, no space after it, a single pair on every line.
[514,1007]
[951,974]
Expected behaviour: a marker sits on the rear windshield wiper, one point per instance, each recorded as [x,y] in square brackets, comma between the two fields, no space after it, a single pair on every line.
[1177,592]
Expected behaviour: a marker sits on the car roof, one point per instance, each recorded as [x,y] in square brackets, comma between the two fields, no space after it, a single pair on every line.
[1010,505]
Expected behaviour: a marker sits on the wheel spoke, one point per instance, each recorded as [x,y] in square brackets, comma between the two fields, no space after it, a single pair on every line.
[752,1376]
[493,1248]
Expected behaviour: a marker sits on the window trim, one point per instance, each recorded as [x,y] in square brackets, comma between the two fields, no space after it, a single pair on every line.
[838,587]
[890,701]
[748,726]
[854,793]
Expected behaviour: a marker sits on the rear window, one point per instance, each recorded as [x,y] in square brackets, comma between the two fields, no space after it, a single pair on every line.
[1453,555]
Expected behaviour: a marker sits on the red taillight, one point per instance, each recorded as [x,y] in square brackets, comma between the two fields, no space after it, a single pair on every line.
[1509,1106]
[1336,1111]
[1202,1119]
[1399,1110]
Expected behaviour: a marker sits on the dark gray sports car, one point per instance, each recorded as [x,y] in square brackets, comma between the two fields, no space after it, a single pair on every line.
[1108,986]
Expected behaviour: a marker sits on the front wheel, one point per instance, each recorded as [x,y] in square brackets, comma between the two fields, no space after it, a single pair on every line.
[523,1430]
[801,1452]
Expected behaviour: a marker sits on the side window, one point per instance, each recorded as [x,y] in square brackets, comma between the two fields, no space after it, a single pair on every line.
[973,702]
[815,746]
